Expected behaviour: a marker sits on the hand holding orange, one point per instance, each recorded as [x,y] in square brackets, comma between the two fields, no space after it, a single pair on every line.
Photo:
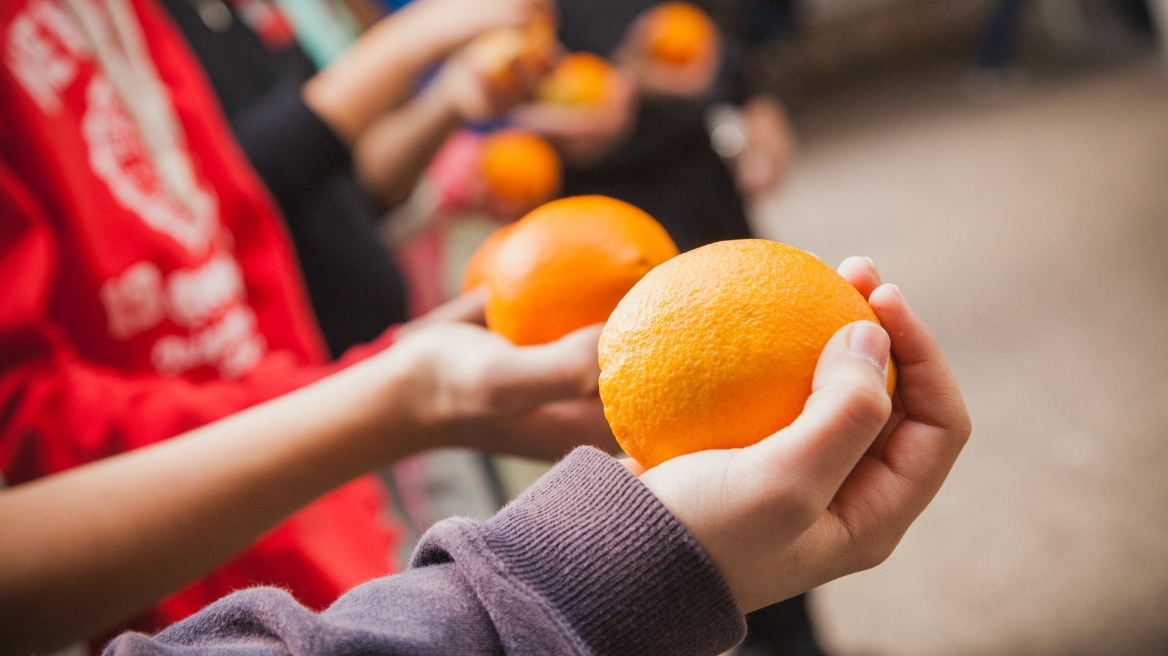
[677,33]
[580,78]
[566,265]
[717,348]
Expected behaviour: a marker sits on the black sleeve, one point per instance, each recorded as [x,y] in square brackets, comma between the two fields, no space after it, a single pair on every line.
[293,150]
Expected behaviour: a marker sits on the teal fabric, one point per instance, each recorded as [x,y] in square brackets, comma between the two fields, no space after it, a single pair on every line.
[325,29]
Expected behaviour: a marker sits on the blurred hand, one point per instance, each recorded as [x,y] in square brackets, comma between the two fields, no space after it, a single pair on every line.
[477,95]
[466,386]
[835,491]
[459,21]
[768,150]
[659,79]
[584,135]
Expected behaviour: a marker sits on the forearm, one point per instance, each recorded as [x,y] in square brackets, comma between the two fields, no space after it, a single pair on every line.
[359,86]
[143,524]
[394,152]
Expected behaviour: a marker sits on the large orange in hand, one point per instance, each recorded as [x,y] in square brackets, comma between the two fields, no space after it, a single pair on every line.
[716,349]
[677,32]
[579,79]
[521,168]
[567,265]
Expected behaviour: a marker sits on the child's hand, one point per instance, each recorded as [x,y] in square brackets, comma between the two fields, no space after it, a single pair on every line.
[475,95]
[833,493]
[466,386]
[660,79]
[584,135]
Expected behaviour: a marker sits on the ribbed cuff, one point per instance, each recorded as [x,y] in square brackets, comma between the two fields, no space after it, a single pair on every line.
[590,553]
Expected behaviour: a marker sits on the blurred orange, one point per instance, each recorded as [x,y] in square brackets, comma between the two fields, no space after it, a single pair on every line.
[677,32]
[580,79]
[567,265]
[717,348]
[475,274]
[521,168]
[498,52]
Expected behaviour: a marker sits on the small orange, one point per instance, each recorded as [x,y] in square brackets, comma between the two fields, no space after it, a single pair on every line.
[475,274]
[716,349]
[521,168]
[532,47]
[580,79]
[677,32]
[567,264]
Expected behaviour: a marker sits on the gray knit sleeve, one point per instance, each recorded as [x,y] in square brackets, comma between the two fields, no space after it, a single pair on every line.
[587,561]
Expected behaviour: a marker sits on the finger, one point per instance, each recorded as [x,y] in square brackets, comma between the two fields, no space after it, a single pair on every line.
[527,377]
[468,308]
[861,273]
[927,385]
[922,448]
[554,429]
[848,406]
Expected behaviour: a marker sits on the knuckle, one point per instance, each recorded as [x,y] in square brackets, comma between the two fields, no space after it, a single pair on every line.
[864,406]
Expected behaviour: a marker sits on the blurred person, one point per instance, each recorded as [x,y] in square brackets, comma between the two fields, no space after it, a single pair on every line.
[545,575]
[130,529]
[149,286]
[339,147]
[648,142]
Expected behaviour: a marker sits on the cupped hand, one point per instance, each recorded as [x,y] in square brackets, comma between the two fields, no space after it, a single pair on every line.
[834,492]
[467,386]
[584,135]
[768,150]
[661,79]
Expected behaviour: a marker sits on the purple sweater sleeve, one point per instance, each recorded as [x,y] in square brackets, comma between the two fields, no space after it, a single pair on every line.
[587,561]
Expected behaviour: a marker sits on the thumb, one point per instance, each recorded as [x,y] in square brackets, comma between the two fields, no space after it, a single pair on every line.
[848,407]
[533,375]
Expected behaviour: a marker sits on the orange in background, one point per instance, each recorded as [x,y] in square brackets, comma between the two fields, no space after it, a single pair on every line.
[521,168]
[716,349]
[567,264]
[677,32]
[580,79]
[499,51]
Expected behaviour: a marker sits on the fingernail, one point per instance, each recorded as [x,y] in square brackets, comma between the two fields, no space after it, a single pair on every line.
[867,341]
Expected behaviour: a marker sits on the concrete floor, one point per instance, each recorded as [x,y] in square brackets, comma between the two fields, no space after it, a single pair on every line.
[1032,236]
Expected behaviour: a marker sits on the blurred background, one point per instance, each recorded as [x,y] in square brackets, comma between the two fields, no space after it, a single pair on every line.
[1007,165]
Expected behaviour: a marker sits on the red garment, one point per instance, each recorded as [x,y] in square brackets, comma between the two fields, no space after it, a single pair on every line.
[126,318]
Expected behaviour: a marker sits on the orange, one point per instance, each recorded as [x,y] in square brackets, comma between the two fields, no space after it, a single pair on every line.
[521,168]
[677,32]
[532,47]
[567,264]
[716,349]
[580,79]
[475,274]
